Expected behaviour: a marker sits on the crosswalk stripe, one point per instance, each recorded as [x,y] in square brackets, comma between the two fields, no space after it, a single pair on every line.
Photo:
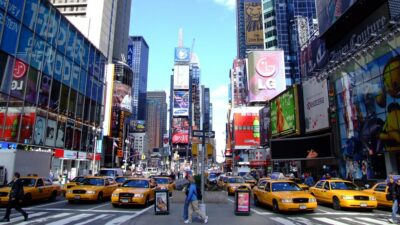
[93,219]
[352,220]
[330,221]
[70,219]
[33,215]
[43,220]
[380,222]
[282,220]
[119,220]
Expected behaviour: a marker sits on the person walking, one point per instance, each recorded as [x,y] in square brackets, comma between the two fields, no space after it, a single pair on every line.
[193,202]
[394,196]
[186,205]
[16,194]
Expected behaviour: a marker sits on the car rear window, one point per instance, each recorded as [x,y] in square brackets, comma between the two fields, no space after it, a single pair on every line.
[136,183]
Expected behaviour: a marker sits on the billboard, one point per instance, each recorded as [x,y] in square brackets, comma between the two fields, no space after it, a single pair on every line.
[285,114]
[182,54]
[316,104]
[265,120]
[313,57]
[246,127]
[137,126]
[238,81]
[17,124]
[181,77]
[108,99]
[180,130]
[122,97]
[329,11]
[266,75]
[305,148]
[253,23]
[181,103]
[129,59]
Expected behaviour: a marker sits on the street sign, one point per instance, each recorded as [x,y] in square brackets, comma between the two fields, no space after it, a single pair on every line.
[201,133]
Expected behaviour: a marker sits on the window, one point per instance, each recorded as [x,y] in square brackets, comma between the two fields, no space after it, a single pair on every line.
[55,96]
[380,188]
[10,34]
[39,183]
[319,184]
[326,186]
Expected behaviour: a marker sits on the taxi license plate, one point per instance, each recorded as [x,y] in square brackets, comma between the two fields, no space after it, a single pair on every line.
[124,200]
[302,207]
[363,204]
[77,197]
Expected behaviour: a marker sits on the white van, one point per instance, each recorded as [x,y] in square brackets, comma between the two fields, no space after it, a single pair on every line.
[149,171]
[111,172]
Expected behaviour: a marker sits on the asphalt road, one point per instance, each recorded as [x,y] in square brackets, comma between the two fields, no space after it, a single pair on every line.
[220,210]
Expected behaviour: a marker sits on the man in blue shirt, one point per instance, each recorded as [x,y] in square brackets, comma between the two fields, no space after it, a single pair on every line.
[193,202]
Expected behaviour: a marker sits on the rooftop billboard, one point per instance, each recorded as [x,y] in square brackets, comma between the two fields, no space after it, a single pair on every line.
[246,127]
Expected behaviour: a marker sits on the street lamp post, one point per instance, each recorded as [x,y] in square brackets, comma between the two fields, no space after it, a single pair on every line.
[127,142]
[96,131]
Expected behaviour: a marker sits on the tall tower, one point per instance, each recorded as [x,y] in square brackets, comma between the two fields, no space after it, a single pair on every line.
[138,60]
[287,24]
[156,121]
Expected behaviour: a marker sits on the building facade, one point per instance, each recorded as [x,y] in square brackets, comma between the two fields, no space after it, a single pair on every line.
[56,74]
[156,119]
[287,25]
[138,60]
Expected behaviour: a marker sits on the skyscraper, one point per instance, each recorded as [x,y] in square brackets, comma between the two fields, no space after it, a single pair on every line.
[138,60]
[156,121]
[287,24]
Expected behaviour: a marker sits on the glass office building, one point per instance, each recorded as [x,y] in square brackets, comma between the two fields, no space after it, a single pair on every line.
[52,82]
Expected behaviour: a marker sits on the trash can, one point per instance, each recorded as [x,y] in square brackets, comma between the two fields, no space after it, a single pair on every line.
[242,202]
[161,202]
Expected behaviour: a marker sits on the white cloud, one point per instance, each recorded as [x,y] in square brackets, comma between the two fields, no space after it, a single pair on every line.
[220,92]
[229,4]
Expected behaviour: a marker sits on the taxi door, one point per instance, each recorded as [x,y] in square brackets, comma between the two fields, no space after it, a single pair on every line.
[153,186]
[40,190]
[326,193]
[380,193]
[107,188]
[48,186]
[259,191]
[268,196]
[113,185]
[317,190]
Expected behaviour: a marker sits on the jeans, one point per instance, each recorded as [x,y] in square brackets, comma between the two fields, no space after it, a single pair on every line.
[186,210]
[395,207]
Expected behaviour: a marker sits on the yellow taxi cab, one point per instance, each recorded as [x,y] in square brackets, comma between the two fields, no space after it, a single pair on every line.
[380,190]
[121,180]
[300,183]
[342,194]
[283,195]
[250,180]
[35,188]
[135,191]
[71,184]
[165,183]
[92,188]
[235,182]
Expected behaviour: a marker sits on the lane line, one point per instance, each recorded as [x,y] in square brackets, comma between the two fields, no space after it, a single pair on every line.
[123,219]
[86,210]
[107,203]
[370,220]
[48,204]
[330,221]
[93,219]
[282,220]
[352,220]
[70,219]
[18,218]
[43,220]
[323,210]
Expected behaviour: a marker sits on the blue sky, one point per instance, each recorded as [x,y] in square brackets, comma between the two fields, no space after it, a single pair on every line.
[212,24]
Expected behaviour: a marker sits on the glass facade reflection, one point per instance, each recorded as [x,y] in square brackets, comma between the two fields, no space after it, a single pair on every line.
[51,78]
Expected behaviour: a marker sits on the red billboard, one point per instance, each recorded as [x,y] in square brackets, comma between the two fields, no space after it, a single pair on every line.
[266,75]
[247,127]
[180,131]
[13,120]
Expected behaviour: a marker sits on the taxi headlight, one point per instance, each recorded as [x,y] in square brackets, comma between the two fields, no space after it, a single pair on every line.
[313,200]
[138,195]
[69,191]
[115,195]
[91,192]
[287,200]
[372,198]
[346,197]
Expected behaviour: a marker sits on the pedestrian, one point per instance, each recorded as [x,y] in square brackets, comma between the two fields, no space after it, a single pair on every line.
[186,205]
[393,196]
[309,180]
[16,195]
[193,202]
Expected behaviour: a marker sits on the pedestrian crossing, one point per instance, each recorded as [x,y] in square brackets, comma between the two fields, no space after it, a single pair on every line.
[320,220]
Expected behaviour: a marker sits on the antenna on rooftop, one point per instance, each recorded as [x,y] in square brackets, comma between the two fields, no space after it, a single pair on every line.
[180,38]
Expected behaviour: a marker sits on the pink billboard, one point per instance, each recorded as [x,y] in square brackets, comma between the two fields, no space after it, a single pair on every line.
[266,75]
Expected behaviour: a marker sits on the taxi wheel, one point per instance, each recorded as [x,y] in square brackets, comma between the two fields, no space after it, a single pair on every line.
[53,196]
[100,197]
[275,206]
[336,203]
[115,205]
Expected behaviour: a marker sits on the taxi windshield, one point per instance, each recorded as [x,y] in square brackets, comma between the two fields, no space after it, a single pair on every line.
[78,179]
[248,177]
[285,186]
[93,181]
[161,180]
[340,185]
[235,180]
[136,183]
[120,179]
[27,182]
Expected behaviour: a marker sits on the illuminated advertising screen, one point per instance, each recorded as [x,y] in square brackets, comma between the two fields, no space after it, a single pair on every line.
[313,57]
[122,96]
[266,75]
[182,54]
[253,23]
[265,120]
[329,11]
[316,104]
[137,126]
[238,81]
[181,77]
[284,113]
[181,103]
[17,124]
[180,130]
[246,127]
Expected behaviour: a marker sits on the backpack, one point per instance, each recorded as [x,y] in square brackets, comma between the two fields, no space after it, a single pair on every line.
[198,193]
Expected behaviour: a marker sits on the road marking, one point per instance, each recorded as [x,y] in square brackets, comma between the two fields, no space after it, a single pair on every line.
[120,220]
[70,219]
[93,219]
[33,215]
[43,220]
[370,220]
[85,210]
[282,220]
[352,220]
[99,206]
[349,214]
[330,221]
[258,212]
[323,210]
[44,205]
